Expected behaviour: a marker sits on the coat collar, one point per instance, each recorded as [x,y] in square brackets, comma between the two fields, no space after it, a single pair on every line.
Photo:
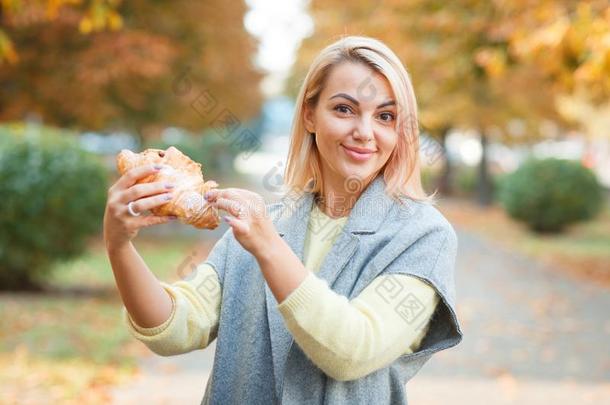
[367,215]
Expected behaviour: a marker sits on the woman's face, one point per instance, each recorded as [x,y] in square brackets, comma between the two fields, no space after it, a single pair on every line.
[354,123]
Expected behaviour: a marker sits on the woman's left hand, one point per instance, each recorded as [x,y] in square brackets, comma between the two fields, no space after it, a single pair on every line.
[251,225]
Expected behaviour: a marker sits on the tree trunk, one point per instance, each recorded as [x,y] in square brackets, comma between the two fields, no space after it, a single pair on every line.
[484,181]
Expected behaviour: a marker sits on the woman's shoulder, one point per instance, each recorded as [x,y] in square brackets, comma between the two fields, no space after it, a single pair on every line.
[423,218]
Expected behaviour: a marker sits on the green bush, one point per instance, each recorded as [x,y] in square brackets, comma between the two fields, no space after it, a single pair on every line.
[551,193]
[53,198]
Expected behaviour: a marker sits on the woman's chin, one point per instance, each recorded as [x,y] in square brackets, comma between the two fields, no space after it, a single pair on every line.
[357,174]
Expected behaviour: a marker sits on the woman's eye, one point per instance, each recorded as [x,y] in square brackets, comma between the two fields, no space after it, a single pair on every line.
[342,108]
[386,116]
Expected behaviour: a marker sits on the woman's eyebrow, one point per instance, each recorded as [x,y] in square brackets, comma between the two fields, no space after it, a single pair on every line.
[353,100]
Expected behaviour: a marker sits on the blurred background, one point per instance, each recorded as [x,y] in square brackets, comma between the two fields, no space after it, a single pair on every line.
[515,137]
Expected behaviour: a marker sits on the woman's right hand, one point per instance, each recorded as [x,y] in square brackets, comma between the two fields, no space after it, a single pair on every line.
[120,227]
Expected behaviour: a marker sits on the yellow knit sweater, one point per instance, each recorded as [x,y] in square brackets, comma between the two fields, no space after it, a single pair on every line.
[347,339]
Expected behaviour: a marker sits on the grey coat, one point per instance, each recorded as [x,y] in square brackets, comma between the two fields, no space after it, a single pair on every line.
[258,362]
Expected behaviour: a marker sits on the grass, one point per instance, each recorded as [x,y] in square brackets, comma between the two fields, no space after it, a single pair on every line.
[64,349]
[583,249]
[70,348]
[92,270]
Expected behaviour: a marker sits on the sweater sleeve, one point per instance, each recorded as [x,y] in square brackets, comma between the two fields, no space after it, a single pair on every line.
[193,322]
[350,339]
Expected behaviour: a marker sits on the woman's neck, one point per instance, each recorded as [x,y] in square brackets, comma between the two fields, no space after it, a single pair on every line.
[336,203]
[333,206]
[337,200]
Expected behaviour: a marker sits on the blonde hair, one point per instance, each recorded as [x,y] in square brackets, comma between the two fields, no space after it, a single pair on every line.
[402,170]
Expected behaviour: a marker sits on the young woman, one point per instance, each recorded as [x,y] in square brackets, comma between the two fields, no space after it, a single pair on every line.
[340,292]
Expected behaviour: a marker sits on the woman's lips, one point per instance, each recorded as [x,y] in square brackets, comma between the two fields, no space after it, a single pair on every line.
[359,156]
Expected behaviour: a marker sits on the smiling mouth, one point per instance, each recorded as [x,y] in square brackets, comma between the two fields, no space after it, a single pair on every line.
[357,156]
[368,152]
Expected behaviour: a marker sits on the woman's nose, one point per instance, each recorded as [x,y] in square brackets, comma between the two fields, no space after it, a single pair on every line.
[364,130]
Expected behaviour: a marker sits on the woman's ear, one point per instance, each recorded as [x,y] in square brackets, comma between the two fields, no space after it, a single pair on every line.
[308,118]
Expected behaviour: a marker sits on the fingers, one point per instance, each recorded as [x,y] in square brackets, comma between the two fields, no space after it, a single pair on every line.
[231,206]
[138,191]
[150,220]
[240,227]
[232,199]
[148,203]
[133,175]
[213,194]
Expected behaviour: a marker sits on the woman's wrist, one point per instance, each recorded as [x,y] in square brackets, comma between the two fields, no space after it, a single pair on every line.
[268,245]
[117,247]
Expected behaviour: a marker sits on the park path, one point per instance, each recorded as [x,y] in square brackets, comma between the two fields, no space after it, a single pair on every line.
[531,336]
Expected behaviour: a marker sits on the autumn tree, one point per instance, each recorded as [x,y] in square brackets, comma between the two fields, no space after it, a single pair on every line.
[569,42]
[112,64]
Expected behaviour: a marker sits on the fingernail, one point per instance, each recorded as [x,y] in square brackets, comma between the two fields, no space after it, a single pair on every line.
[167,197]
[158,167]
[226,218]
[172,217]
[206,195]
[168,185]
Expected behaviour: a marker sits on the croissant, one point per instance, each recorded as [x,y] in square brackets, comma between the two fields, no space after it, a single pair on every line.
[187,203]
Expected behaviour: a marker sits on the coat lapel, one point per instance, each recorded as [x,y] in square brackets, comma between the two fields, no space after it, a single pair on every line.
[294,216]
[365,217]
